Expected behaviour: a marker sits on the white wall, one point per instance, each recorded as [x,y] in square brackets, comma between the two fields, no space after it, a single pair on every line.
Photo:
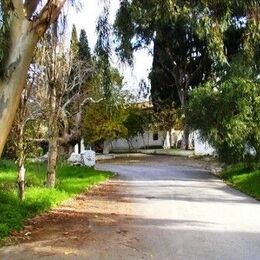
[138,142]
[201,147]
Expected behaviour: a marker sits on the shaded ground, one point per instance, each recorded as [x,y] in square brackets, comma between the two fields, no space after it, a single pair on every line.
[83,228]
[159,207]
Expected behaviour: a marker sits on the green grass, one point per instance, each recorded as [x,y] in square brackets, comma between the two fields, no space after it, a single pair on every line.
[71,180]
[243,179]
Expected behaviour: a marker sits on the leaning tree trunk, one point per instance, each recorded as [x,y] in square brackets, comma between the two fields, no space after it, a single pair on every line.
[21,53]
[23,35]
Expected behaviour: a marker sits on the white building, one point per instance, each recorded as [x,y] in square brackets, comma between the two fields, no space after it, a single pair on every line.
[159,140]
[146,140]
[202,147]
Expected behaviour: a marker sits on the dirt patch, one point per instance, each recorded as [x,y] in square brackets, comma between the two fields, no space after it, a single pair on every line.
[82,220]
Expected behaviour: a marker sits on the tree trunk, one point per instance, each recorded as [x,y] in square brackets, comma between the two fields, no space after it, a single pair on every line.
[52,162]
[185,138]
[24,33]
[21,168]
[21,52]
[171,141]
[106,148]
[167,141]
[21,181]
[21,160]
[129,145]
[186,131]
[53,134]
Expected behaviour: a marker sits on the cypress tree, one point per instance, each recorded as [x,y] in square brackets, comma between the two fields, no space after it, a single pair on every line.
[83,46]
[74,41]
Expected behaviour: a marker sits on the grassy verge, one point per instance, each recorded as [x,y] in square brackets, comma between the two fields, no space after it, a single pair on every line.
[243,179]
[72,180]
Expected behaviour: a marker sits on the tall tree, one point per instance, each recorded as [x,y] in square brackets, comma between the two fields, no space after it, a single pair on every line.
[74,42]
[23,24]
[83,46]
[188,36]
[61,78]
[103,50]
[181,62]
[109,113]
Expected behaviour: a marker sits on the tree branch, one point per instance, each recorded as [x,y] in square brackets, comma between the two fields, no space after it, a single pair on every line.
[48,15]
[30,7]
[18,6]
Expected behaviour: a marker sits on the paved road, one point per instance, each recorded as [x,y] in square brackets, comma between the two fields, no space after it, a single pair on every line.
[157,208]
[186,213]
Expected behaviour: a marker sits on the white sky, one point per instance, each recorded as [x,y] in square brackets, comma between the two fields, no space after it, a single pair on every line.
[87,18]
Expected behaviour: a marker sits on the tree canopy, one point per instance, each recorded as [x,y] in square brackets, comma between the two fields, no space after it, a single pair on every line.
[138,22]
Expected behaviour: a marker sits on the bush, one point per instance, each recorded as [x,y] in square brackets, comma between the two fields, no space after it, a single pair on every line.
[241,177]
[228,116]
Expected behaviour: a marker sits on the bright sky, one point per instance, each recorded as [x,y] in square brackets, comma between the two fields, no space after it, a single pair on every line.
[87,18]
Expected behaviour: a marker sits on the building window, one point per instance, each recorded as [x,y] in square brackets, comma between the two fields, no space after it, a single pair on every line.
[155,136]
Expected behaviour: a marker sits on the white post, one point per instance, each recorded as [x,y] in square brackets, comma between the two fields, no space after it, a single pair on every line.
[167,144]
[82,146]
[76,149]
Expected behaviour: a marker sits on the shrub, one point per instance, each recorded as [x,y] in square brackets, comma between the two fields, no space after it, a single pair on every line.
[228,116]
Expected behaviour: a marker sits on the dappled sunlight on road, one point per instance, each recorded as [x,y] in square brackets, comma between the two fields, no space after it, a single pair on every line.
[149,211]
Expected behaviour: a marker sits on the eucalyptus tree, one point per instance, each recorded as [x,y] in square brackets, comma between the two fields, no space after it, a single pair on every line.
[138,21]
[181,63]
[22,24]
[192,40]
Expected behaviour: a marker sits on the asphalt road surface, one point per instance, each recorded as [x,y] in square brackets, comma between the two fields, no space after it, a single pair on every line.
[157,208]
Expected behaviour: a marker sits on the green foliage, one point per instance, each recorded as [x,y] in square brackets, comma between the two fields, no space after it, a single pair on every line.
[167,118]
[32,150]
[74,48]
[71,181]
[80,53]
[228,116]
[193,42]
[181,62]
[83,47]
[104,121]
[137,121]
[243,178]
[103,50]
[9,151]
[138,21]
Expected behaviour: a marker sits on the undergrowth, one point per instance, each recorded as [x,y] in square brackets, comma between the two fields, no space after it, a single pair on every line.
[244,179]
[71,180]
